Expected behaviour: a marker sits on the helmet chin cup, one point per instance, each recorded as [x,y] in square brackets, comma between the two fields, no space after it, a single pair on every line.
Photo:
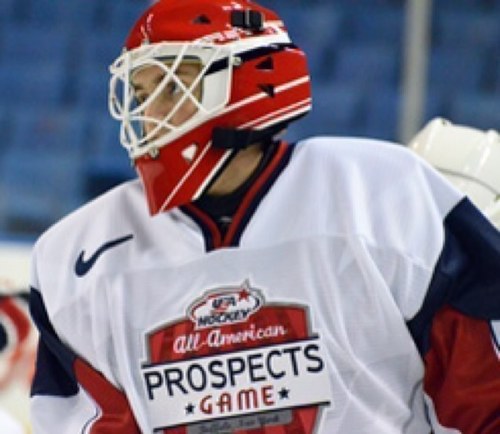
[185,180]
[253,82]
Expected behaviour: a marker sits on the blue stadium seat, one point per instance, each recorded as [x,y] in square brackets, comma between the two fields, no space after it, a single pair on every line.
[91,87]
[317,31]
[33,84]
[39,188]
[366,65]
[277,5]
[4,128]
[108,163]
[99,48]
[57,131]
[121,15]
[456,68]
[476,109]
[107,153]
[367,3]
[459,28]
[7,11]
[32,44]
[383,108]
[495,74]
[436,103]
[377,24]
[337,109]
[82,14]
[298,130]
[467,5]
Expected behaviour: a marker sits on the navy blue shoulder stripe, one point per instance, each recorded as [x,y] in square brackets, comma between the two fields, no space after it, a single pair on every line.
[54,373]
[208,234]
[467,274]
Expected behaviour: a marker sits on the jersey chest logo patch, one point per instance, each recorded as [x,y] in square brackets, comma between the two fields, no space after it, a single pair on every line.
[236,364]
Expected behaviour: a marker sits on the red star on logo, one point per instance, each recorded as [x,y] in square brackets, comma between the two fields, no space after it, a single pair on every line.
[244,294]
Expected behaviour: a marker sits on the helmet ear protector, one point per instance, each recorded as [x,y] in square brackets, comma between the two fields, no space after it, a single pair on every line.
[468,157]
[254,82]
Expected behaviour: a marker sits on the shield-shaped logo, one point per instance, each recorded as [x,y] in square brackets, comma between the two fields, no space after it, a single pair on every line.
[235,364]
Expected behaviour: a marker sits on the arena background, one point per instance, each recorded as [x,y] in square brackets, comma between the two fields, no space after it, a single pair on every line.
[380,68]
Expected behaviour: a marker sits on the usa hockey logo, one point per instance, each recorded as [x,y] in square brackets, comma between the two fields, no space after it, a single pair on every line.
[236,364]
[227,306]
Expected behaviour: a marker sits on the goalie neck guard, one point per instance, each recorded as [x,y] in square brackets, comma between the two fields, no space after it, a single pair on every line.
[253,82]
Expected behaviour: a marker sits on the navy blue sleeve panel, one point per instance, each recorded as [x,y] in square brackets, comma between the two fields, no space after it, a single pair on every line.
[61,373]
[54,373]
[477,292]
[467,274]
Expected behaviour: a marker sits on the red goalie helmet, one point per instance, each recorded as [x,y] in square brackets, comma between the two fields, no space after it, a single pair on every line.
[251,81]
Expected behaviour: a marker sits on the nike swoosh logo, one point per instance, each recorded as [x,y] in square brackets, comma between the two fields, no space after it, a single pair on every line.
[82,266]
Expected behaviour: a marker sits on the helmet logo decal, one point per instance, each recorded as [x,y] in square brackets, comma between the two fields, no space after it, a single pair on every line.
[268,88]
[221,37]
[189,152]
[201,19]
[266,65]
[146,30]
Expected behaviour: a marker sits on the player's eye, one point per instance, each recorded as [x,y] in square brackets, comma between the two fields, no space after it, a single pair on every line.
[172,89]
[139,98]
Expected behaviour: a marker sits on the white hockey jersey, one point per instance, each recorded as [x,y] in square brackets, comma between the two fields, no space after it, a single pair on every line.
[355,291]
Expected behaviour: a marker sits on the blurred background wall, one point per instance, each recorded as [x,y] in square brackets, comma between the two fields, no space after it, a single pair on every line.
[59,147]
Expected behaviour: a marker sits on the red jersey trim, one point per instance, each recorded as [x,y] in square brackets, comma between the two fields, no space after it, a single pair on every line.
[116,414]
[462,375]
[213,237]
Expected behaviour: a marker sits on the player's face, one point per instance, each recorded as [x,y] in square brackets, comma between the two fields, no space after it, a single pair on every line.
[145,81]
